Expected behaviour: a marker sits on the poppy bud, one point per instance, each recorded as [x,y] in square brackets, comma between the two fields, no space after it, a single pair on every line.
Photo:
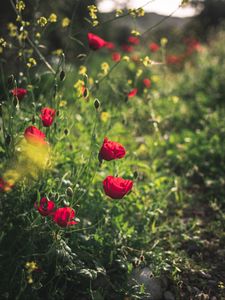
[66,131]
[96,104]
[135,174]
[69,192]
[81,56]
[8,139]
[10,81]
[62,75]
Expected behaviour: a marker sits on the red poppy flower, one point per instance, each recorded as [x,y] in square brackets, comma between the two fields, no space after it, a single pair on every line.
[133,40]
[34,136]
[5,186]
[116,56]
[147,83]
[111,150]
[95,42]
[117,187]
[64,217]
[19,93]
[47,116]
[173,59]
[110,45]
[154,47]
[46,207]
[132,93]
[193,45]
[127,48]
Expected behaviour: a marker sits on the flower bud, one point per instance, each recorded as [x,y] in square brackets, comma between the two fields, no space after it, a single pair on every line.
[69,191]
[10,81]
[96,104]
[62,75]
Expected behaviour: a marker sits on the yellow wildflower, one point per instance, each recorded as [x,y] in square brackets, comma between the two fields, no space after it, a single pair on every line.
[42,21]
[126,58]
[65,22]
[62,103]
[31,62]
[52,18]
[104,116]
[163,41]
[135,32]
[105,68]
[12,29]
[119,12]
[57,52]
[82,70]
[20,5]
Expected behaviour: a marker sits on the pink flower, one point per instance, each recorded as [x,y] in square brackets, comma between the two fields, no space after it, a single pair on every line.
[95,42]
[46,207]
[116,56]
[147,83]
[19,93]
[154,47]
[47,116]
[132,93]
[64,217]
[111,150]
[133,40]
[117,187]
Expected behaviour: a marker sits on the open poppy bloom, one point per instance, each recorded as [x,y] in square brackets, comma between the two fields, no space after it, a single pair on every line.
[47,116]
[46,207]
[117,187]
[116,56]
[5,186]
[147,83]
[127,48]
[34,136]
[132,93]
[154,47]
[64,217]
[133,40]
[19,93]
[95,42]
[110,45]
[111,150]
[173,59]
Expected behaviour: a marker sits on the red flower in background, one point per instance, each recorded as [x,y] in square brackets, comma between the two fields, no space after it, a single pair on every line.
[116,56]
[127,48]
[111,150]
[19,93]
[132,93]
[34,136]
[110,45]
[47,116]
[147,83]
[64,217]
[5,186]
[46,207]
[133,40]
[117,187]
[95,42]
[193,45]
[154,47]
[173,59]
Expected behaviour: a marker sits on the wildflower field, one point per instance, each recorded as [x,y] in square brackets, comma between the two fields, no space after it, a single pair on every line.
[112,160]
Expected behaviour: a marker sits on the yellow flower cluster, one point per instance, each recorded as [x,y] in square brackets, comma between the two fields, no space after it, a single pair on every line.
[42,21]
[146,61]
[57,52]
[79,85]
[135,33]
[3,42]
[30,266]
[82,70]
[119,12]
[12,29]
[20,5]
[52,18]
[92,9]
[136,12]
[105,116]
[65,22]
[31,62]
[23,35]
[105,68]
